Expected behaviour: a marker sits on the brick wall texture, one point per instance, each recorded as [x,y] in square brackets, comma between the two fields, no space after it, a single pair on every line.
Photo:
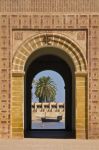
[49,14]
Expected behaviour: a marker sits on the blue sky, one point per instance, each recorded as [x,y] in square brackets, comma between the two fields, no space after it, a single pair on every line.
[56,77]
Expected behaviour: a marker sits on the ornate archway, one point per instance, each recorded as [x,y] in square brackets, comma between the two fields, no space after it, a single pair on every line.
[20,62]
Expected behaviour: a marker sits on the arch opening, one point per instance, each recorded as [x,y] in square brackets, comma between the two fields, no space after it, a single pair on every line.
[47,100]
[55,63]
[69,56]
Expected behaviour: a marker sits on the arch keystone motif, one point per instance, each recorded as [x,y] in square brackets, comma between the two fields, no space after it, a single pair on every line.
[49,39]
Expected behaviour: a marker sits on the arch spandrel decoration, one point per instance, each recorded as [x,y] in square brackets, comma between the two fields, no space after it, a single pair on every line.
[49,39]
[26,49]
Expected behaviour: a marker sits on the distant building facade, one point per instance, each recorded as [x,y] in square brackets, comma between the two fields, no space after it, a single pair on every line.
[51,109]
[48,107]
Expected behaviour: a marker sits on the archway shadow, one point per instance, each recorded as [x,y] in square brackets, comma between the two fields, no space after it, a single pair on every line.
[55,63]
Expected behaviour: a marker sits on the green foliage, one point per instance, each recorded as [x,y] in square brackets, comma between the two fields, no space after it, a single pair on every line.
[45,89]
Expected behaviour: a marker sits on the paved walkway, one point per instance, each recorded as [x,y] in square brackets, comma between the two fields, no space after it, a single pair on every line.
[49,144]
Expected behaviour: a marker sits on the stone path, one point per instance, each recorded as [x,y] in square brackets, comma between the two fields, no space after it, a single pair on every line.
[49,144]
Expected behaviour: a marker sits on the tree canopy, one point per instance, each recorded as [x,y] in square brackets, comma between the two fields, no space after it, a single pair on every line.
[45,89]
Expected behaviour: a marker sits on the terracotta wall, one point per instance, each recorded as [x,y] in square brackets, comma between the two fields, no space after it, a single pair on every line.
[35,15]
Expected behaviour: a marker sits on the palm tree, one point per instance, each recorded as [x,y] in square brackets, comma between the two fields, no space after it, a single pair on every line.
[45,89]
